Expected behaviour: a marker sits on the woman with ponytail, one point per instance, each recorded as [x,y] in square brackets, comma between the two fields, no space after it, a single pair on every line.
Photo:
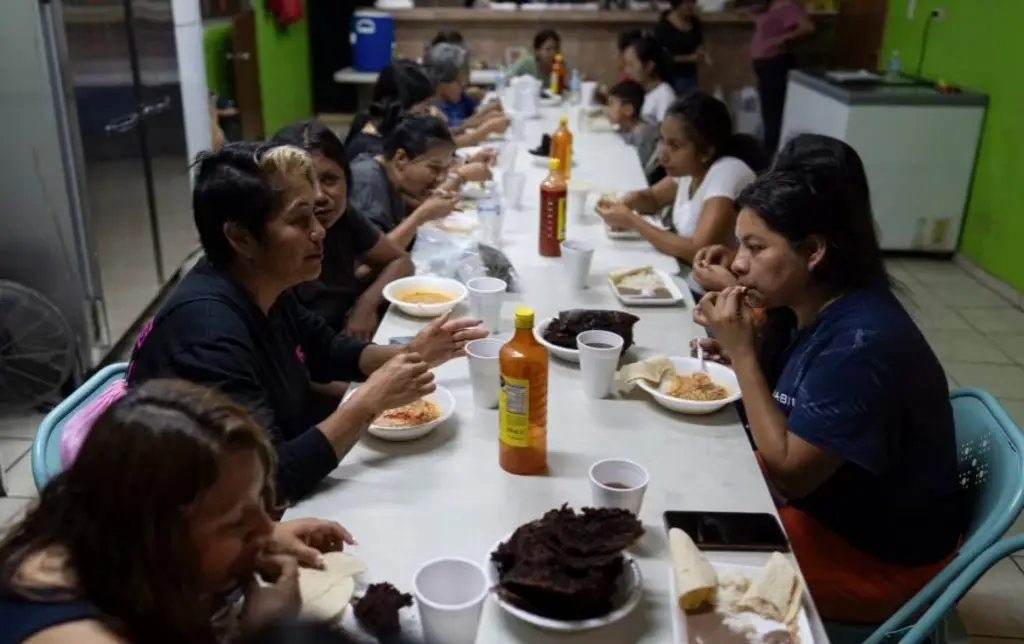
[403,86]
[649,64]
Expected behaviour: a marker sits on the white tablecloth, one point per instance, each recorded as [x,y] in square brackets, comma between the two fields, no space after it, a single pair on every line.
[446,495]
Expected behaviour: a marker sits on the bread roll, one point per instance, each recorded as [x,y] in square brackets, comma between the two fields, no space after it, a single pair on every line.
[777,593]
[696,580]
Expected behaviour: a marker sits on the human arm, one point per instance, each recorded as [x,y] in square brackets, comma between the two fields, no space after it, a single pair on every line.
[800,24]
[433,208]
[716,223]
[649,201]
[492,124]
[389,260]
[306,539]
[711,267]
[82,631]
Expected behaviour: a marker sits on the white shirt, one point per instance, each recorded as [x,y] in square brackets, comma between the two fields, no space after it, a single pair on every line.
[656,103]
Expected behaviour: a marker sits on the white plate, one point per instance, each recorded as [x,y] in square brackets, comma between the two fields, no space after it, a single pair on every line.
[549,101]
[569,355]
[631,589]
[692,629]
[542,162]
[622,234]
[719,373]
[454,288]
[675,295]
[441,397]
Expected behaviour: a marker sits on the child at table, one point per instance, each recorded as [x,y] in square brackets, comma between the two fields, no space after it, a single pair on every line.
[625,100]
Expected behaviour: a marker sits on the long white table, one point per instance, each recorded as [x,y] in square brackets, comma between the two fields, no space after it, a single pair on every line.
[445,495]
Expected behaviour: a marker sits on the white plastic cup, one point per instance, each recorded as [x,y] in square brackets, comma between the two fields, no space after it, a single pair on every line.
[450,594]
[599,360]
[485,297]
[618,483]
[484,371]
[577,257]
[490,226]
[513,184]
[507,157]
[587,91]
[578,191]
[517,127]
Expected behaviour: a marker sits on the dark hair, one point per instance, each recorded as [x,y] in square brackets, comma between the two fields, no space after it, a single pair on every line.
[313,136]
[674,4]
[239,183]
[709,125]
[400,85]
[649,50]
[121,511]
[629,92]
[450,36]
[545,35]
[818,187]
[626,38]
[417,134]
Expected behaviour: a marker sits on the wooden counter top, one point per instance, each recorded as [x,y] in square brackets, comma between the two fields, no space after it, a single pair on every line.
[558,17]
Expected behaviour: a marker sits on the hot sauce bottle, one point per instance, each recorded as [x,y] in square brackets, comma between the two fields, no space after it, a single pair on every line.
[561,147]
[553,193]
[523,402]
[558,76]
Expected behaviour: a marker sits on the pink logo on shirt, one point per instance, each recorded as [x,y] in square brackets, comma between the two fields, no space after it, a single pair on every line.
[300,354]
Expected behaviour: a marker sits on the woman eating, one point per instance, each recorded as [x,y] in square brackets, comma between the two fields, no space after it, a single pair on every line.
[401,87]
[707,165]
[233,323]
[647,63]
[849,409]
[156,530]
[546,45]
[447,65]
[347,303]
[681,33]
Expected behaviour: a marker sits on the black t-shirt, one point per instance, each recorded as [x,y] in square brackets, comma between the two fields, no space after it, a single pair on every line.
[362,143]
[680,43]
[373,197]
[210,332]
[334,294]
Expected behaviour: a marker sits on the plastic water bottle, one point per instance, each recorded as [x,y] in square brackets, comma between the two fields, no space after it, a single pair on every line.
[488,209]
[892,66]
[575,91]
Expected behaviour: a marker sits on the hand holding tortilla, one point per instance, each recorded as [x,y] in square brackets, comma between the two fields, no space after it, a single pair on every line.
[326,593]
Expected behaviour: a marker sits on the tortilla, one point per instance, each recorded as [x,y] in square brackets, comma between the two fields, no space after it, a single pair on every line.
[777,593]
[653,370]
[696,579]
[325,593]
[331,605]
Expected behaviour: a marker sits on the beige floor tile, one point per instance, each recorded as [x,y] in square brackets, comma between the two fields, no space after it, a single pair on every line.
[19,480]
[12,449]
[1002,381]
[20,426]
[967,295]
[1005,320]
[995,606]
[936,316]
[1012,345]
[965,346]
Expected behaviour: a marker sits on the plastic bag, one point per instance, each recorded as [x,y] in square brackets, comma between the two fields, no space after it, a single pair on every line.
[460,257]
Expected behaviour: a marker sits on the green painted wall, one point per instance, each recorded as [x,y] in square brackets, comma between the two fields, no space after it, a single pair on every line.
[978,44]
[286,79]
[219,71]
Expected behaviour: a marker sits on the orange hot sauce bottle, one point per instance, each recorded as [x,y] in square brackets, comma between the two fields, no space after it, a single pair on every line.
[553,193]
[561,147]
[523,402]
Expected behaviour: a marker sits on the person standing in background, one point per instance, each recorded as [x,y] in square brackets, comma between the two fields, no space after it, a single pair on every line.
[781,22]
[681,33]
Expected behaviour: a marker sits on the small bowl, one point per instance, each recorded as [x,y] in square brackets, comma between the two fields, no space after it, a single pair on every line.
[568,355]
[440,397]
[455,289]
[721,374]
[630,591]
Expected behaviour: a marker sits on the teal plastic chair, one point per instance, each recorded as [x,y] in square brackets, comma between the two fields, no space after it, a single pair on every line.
[991,469]
[46,446]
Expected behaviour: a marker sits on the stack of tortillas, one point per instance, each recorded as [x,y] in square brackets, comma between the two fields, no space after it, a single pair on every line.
[326,593]
[777,593]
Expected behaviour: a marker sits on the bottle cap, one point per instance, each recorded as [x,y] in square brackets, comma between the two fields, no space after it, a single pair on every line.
[564,120]
[523,317]
[554,163]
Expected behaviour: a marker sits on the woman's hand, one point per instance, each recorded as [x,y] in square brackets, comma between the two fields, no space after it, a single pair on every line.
[712,350]
[496,124]
[616,213]
[281,598]
[730,319]
[436,207]
[474,171]
[486,156]
[714,255]
[399,381]
[305,539]
[713,277]
[444,338]
[362,322]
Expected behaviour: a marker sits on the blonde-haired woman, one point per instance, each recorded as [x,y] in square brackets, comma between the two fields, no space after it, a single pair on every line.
[233,323]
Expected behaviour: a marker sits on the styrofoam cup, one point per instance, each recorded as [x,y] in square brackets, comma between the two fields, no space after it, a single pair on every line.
[577,257]
[587,91]
[484,371]
[599,360]
[618,483]
[576,199]
[507,157]
[450,594]
[517,127]
[513,184]
[485,297]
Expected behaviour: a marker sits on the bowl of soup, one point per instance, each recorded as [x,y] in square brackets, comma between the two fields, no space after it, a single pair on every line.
[425,296]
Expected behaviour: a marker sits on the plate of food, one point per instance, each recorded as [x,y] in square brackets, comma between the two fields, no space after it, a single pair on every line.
[547,99]
[683,385]
[460,222]
[599,123]
[615,232]
[568,571]
[558,334]
[724,602]
[644,286]
[415,420]
[425,296]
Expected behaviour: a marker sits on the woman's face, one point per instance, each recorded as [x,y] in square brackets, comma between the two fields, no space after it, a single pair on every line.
[632,66]
[333,197]
[293,242]
[229,524]
[686,9]
[545,54]
[418,176]
[676,151]
[774,273]
[452,91]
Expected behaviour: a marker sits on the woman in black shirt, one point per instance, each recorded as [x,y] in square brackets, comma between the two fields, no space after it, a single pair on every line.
[234,324]
[681,32]
[403,86]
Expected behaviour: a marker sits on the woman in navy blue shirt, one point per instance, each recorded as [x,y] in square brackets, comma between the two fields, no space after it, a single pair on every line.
[847,404]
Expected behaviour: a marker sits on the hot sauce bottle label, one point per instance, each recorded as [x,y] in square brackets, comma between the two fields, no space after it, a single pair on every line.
[567,172]
[514,412]
[560,231]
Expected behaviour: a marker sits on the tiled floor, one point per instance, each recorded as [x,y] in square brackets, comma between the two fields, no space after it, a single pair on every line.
[978,335]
